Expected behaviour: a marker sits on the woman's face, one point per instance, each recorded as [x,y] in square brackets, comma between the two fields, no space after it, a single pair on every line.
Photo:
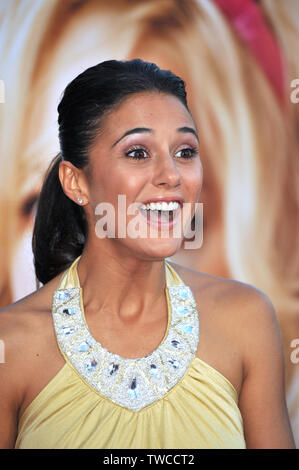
[147,150]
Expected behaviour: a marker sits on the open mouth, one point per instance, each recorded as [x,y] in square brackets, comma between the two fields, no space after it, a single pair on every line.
[161,213]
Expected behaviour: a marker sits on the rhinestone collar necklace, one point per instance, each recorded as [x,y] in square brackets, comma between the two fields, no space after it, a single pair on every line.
[131,383]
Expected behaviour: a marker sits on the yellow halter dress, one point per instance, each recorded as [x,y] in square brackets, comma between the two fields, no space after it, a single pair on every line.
[169,399]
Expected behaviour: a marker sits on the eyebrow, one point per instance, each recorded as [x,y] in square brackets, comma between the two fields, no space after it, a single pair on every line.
[140,130]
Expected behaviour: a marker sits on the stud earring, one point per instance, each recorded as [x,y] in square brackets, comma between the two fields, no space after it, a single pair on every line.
[80,200]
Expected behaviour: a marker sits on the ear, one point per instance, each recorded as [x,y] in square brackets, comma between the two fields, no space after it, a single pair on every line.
[73,182]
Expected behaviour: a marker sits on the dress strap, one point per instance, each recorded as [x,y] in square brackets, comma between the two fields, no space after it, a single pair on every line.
[70,277]
[172,277]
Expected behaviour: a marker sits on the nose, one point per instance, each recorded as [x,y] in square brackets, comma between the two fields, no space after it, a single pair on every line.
[166,172]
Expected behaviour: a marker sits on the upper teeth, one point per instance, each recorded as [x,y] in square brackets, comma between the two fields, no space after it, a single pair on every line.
[161,206]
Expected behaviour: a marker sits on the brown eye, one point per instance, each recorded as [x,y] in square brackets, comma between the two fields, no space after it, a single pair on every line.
[188,153]
[140,153]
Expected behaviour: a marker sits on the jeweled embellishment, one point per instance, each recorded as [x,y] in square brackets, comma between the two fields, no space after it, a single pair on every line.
[68,310]
[64,295]
[186,328]
[133,389]
[67,330]
[84,346]
[91,365]
[174,363]
[182,310]
[131,383]
[183,293]
[113,368]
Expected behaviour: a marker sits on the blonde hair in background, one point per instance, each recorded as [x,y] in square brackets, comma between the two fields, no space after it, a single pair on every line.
[284,17]
[249,140]
[22,26]
[26,39]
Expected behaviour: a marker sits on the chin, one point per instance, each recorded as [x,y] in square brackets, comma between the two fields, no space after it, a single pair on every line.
[161,249]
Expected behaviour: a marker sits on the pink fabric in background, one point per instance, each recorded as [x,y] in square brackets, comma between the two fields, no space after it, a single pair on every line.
[247,19]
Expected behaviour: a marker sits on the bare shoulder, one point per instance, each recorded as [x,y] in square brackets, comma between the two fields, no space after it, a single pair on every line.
[26,330]
[241,314]
[24,317]
[230,297]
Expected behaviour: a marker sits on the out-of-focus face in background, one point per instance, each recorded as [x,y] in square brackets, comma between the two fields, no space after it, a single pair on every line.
[247,153]
[83,41]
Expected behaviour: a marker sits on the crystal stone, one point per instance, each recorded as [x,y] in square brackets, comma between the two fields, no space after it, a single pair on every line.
[113,368]
[67,330]
[186,328]
[68,311]
[85,346]
[133,389]
[182,310]
[183,293]
[153,369]
[63,296]
[91,365]
[174,363]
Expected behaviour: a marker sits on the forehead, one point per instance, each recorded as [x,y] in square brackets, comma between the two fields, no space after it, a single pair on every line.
[154,109]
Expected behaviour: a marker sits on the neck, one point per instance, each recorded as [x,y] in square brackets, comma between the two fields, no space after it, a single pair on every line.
[123,286]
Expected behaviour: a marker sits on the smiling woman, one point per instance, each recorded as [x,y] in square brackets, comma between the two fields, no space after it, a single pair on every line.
[96,165]
[123,366]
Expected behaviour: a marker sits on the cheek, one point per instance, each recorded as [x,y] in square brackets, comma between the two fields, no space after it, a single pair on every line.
[110,182]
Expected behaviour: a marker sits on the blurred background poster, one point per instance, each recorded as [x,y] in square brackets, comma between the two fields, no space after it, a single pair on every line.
[239,59]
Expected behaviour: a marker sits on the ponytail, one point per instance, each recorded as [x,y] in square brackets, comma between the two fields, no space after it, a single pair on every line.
[60,228]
